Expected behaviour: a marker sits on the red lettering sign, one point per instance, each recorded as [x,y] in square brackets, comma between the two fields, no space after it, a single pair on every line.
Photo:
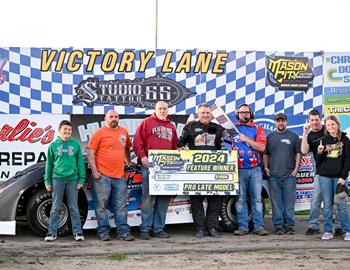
[306,161]
[27,131]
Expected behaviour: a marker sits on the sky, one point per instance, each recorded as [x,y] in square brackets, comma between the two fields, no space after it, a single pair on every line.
[269,25]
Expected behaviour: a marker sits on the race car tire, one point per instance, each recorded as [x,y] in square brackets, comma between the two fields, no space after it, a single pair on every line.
[38,213]
[227,214]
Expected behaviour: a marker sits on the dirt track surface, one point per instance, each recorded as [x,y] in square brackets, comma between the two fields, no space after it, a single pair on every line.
[181,251]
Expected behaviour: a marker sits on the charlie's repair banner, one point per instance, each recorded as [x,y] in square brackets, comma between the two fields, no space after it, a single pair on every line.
[193,172]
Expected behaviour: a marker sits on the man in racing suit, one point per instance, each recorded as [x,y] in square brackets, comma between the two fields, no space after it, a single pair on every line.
[203,135]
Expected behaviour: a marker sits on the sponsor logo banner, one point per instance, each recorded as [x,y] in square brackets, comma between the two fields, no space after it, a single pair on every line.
[141,93]
[336,71]
[24,140]
[193,172]
[93,81]
[289,73]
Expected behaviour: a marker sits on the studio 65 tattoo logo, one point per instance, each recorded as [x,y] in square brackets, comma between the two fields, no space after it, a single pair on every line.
[140,92]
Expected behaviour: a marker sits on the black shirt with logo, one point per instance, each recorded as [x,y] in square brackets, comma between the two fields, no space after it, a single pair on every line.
[334,162]
[201,137]
[314,138]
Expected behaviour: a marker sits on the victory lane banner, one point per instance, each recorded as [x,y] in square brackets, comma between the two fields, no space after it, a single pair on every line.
[193,172]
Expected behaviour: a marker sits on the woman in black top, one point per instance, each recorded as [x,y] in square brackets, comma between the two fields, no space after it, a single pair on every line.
[333,165]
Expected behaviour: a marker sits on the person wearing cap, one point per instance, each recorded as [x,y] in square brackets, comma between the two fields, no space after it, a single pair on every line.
[250,142]
[281,162]
[333,165]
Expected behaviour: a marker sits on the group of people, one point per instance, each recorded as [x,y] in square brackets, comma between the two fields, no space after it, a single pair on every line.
[279,153]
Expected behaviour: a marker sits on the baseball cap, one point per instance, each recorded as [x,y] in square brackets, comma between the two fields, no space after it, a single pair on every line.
[280,116]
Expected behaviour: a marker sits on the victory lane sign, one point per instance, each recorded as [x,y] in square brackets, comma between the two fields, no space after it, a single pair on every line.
[193,172]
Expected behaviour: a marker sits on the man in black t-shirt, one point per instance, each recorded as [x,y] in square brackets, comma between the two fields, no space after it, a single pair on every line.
[312,135]
[281,162]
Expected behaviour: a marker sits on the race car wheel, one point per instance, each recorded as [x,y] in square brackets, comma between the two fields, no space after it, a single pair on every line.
[228,217]
[227,213]
[38,214]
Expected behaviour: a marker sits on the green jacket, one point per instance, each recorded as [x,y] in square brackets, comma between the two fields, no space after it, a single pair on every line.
[64,161]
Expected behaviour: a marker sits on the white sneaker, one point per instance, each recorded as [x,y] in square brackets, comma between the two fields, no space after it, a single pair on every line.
[347,236]
[327,236]
[79,237]
[50,237]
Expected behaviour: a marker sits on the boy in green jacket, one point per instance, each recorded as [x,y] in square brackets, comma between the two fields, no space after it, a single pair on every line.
[64,173]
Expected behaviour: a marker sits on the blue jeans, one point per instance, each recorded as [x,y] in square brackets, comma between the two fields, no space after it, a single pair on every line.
[328,186]
[282,196]
[59,187]
[111,194]
[315,211]
[153,208]
[250,181]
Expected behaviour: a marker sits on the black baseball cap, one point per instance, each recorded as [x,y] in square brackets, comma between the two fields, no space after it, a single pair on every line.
[280,116]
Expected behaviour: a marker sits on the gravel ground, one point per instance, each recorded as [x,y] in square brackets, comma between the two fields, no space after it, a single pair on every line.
[181,251]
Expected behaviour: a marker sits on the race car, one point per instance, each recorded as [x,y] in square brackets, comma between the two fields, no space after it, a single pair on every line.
[23,197]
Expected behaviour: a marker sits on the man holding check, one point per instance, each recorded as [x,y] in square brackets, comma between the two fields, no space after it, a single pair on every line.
[203,135]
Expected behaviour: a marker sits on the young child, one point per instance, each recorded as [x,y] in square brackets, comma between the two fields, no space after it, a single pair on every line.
[64,173]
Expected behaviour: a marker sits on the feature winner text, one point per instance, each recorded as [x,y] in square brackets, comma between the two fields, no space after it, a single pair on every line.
[210,168]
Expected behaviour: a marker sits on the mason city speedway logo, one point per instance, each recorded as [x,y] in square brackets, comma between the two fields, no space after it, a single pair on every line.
[2,65]
[289,73]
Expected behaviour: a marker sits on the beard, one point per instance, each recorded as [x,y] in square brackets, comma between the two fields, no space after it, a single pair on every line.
[245,120]
[281,128]
[114,124]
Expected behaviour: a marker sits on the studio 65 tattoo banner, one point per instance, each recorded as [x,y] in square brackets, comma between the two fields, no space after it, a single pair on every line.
[193,172]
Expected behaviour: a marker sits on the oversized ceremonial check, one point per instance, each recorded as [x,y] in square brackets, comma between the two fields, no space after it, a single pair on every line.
[193,172]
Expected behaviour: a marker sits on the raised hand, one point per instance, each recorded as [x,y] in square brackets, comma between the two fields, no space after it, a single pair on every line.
[307,128]
[320,148]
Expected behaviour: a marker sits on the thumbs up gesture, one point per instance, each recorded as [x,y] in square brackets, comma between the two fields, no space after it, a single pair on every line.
[320,148]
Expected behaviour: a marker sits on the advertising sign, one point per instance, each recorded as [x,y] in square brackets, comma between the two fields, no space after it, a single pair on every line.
[193,172]
[93,81]
[336,83]
[305,183]
[24,140]
[289,73]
